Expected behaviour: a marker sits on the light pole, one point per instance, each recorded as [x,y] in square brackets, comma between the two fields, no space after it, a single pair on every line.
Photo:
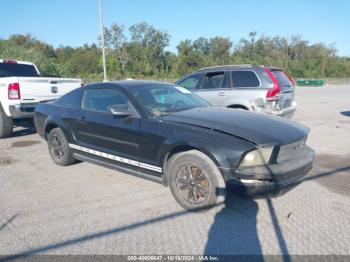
[103,43]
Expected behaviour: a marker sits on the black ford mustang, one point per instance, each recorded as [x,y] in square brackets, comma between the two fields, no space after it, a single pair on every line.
[165,133]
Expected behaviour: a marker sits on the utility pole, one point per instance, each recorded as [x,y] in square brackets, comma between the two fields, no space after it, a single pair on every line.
[103,44]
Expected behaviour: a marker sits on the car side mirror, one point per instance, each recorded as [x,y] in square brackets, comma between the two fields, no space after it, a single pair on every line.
[120,110]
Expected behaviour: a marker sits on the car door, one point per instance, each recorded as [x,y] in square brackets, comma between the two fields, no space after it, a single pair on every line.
[214,88]
[97,129]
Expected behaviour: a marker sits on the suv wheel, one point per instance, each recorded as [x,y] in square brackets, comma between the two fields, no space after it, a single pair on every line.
[59,150]
[195,180]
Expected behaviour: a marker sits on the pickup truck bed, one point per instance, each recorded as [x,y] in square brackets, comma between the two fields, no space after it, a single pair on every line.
[22,88]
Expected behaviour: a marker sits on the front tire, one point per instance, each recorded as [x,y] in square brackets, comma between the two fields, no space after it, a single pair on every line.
[59,149]
[6,124]
[195,181]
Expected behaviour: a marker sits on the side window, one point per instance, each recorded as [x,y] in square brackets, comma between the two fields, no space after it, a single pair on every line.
[191,82]
[101,99]
[213,80]
[244,79]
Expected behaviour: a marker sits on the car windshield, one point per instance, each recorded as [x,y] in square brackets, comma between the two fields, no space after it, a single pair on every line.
[161,100]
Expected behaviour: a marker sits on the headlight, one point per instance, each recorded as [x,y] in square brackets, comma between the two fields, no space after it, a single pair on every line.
[258,157]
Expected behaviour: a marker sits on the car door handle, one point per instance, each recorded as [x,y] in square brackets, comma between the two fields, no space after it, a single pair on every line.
[82,120]
[222,94]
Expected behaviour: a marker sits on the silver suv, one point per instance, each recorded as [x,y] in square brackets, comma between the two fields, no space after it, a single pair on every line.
[249,87]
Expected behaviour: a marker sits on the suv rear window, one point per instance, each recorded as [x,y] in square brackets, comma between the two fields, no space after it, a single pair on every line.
[282,79]
[7,70]
[244,79]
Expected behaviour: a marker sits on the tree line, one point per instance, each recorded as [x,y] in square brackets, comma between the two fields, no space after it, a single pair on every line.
[143,54]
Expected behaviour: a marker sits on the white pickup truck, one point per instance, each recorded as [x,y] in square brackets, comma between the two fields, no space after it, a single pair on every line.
[22,88]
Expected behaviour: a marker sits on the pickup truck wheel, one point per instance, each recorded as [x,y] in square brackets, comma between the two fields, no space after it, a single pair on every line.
[6,124]
[59,150]
[195,180]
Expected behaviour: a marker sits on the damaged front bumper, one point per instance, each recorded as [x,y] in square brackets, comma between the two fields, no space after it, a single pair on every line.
[275,179]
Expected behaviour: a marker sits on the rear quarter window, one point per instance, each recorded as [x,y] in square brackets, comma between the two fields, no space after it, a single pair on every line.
[71,99]
[244,79]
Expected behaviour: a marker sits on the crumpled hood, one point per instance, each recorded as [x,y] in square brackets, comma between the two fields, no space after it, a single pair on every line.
[257,128]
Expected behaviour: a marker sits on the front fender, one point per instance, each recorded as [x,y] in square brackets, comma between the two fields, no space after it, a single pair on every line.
[225,150]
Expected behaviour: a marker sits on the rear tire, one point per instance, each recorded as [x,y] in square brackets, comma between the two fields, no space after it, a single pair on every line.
[6,124]
[59,149]
[195,181]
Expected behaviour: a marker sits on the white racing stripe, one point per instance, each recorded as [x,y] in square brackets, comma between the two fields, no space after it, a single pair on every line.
[117,158]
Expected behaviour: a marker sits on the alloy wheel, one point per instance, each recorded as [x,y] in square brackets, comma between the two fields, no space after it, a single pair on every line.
[192,184]
[57,146]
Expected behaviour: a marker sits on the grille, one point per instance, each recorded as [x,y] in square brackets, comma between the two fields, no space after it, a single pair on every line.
[288,151]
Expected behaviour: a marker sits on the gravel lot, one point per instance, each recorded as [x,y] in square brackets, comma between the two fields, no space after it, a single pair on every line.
[86,209]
